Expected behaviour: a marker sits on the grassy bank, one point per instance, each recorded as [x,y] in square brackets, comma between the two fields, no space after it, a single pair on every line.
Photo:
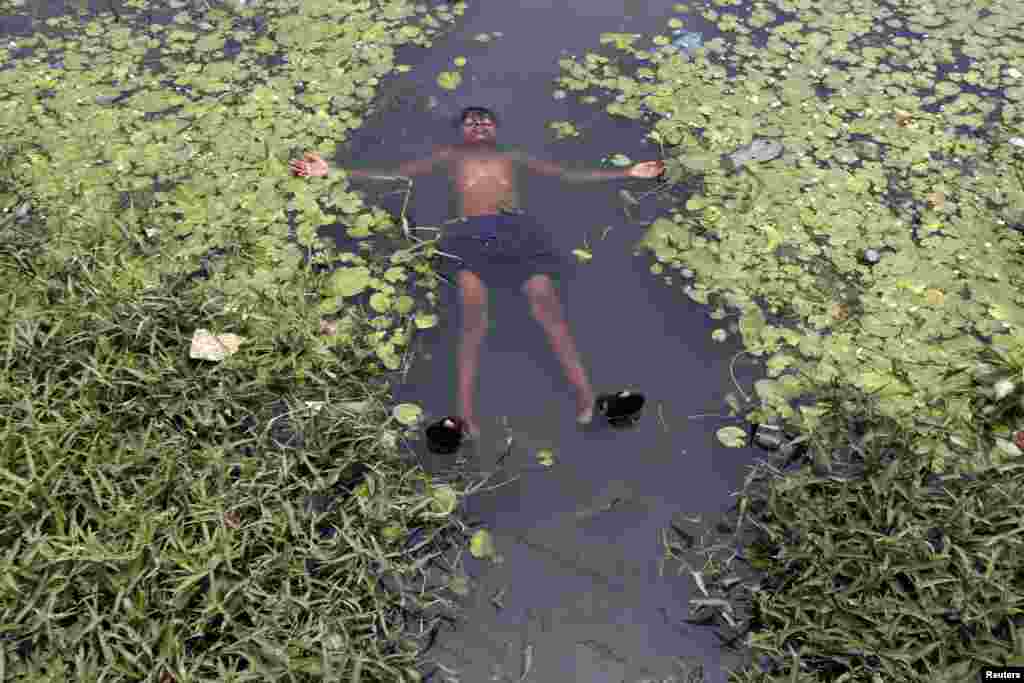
[195,482]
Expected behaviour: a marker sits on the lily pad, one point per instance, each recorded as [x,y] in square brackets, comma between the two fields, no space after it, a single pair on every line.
[425,320]
[582,255]
[732,436]
[444,500]
[404,304]
[346,282]
[481,545]
[407,414]
[449,80]
[380,302]
[758,150]
[546,457]
[459,585]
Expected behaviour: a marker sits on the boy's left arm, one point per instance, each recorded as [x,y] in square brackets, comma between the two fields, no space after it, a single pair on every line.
[644,169]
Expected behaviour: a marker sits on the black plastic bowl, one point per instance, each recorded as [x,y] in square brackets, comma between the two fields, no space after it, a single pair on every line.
[622,409]
[445,436]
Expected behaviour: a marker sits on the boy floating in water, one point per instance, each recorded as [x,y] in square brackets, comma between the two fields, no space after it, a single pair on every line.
[497,244]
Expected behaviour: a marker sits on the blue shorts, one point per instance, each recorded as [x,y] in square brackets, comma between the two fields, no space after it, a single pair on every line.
[502,249]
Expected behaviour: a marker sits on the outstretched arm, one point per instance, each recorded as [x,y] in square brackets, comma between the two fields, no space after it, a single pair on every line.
[313,165]
[645,169]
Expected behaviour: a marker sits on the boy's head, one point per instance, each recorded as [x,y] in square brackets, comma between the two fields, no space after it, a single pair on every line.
[478,124]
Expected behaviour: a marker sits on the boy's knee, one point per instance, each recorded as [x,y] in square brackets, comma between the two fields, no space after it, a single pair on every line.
[474,315]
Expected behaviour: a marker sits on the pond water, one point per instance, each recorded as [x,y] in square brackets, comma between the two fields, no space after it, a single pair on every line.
[579,539]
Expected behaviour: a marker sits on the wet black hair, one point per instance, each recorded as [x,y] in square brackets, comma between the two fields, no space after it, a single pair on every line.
[482,111]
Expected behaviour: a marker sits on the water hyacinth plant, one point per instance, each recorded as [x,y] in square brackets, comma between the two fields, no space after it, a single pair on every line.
[864,228]
[875,264]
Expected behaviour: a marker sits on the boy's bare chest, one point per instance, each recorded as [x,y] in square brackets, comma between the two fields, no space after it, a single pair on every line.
[484,173]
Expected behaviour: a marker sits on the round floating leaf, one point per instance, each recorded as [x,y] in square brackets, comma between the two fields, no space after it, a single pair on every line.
[449,80]
[733,437]
[346,282]
[695,203]
[387,355]
[380,302]
[407,414]
[404,304]
[444,500]
[582,255]
[719,335]
[619,160]
[459,62]
[459,585]
[481,545]
[546,457]
[1004,388]
[425,320]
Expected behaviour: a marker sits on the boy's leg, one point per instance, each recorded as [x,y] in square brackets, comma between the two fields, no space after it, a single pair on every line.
[546,309]
[473,306]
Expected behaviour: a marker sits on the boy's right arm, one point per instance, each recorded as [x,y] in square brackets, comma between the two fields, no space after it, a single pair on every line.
[314,165]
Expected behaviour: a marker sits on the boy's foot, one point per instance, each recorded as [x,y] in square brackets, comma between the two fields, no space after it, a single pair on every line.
[470,429]
[585,408]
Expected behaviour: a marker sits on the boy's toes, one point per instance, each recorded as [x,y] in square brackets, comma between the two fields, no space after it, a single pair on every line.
[471,430]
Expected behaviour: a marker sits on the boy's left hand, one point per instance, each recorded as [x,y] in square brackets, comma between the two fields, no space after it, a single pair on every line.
[646,169]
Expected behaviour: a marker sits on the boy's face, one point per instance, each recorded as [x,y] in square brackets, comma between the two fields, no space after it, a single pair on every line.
[478,128]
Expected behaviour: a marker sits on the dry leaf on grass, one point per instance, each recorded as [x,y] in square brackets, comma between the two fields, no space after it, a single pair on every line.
[208,346]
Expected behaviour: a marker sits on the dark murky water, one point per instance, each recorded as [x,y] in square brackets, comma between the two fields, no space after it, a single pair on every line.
[631,330]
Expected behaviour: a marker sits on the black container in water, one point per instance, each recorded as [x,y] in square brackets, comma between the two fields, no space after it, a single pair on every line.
[445,436]
[621,409]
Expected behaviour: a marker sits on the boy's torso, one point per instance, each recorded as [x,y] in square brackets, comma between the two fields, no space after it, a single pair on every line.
[484,181]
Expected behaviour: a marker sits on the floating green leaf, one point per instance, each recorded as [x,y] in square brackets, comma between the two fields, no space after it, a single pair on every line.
[346,282]
[582,255]
[449,80]
[481,545]
[733,437]
[407,414]
[546,457]
[380,302]
[425,320]
[444,500]
[404,304]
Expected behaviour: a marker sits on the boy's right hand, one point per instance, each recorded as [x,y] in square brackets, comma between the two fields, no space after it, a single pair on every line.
[311,165]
